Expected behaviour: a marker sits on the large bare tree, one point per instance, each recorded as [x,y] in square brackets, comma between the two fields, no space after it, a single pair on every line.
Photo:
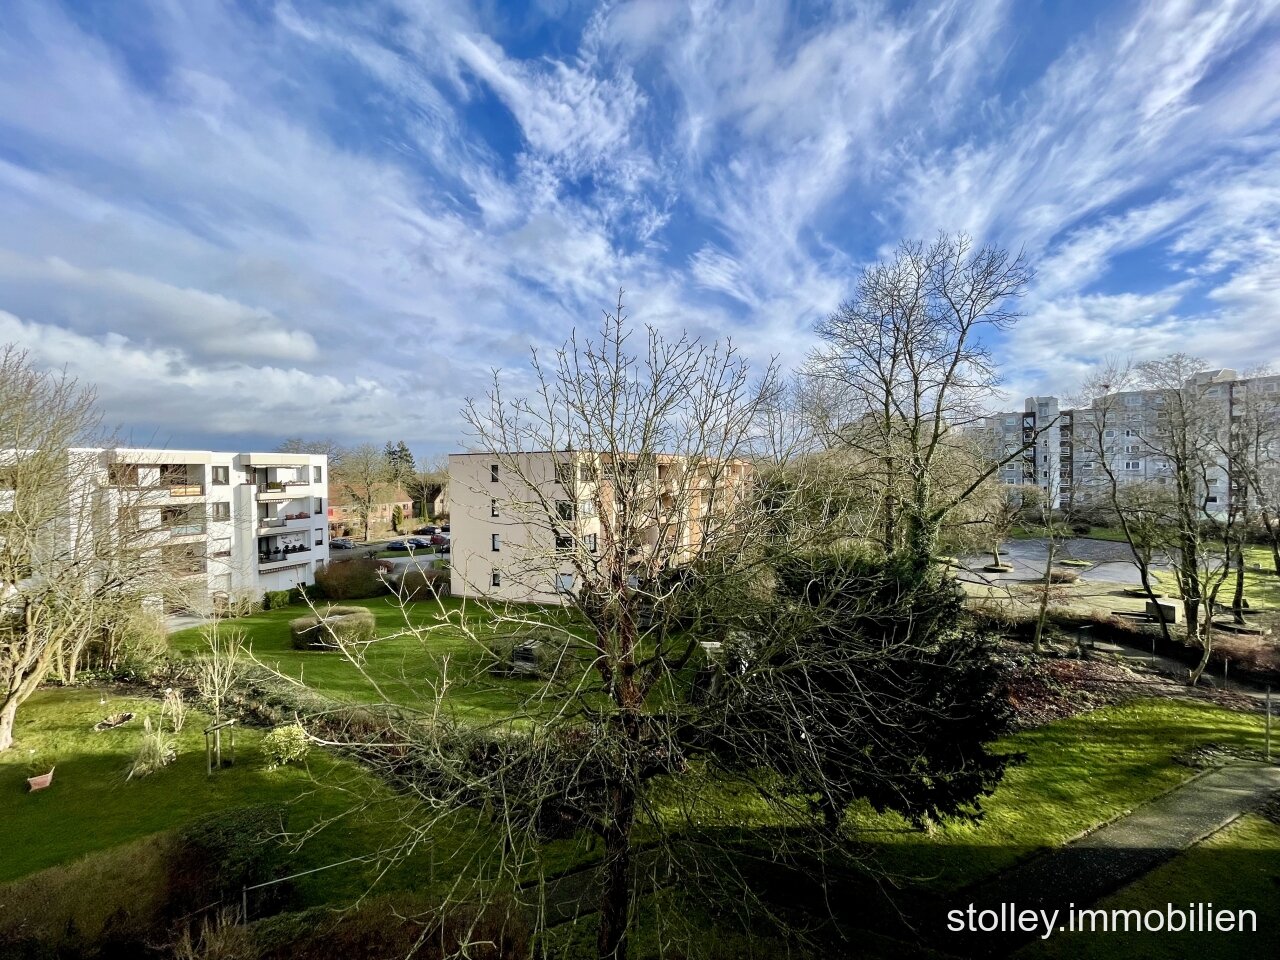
[73,563]
[361,474]
[904,365]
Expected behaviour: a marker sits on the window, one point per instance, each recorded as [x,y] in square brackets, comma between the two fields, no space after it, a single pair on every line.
[1133,400]
[493,507]
[221,476]
[219,511]
[1133,448]
[319,536]
[495,579]
[1010,421]
[1131,433]
[564,474]
[1110,434]
[565,510]
[495,542]
[493,473]
[315,475]
[590,541]
[564,583]
[1129,465]
[317,506]
[221,547]
[1211,500]
[564,541]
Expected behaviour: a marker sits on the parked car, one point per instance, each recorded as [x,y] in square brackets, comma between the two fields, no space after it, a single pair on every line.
[342,543]
[439,540]
[420,543]
[428,529]
[396,545]
[445,528]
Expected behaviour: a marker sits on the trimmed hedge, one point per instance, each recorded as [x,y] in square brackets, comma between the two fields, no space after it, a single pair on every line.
[348,624]
[356,579]
[419,584]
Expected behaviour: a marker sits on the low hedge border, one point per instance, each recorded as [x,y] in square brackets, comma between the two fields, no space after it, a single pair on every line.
[322,631]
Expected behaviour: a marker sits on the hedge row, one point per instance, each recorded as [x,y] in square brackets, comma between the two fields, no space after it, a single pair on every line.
[333,625]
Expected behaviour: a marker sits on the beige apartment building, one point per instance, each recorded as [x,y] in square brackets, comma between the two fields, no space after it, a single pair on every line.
[520,520]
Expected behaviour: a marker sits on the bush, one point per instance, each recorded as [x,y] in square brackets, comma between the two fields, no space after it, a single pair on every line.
[1081,529]
[1059,575]
[158,749]
[214,858]
[419,584]
[275,599]
[357,579]
[345,624]
[286,744]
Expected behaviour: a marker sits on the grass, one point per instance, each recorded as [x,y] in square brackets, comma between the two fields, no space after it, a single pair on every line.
[1237,868]
[404,668]
[1079,772]
[91,807]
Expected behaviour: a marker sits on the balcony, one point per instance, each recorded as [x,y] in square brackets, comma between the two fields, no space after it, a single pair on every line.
[290,521]
[181,568]
[279,559]
[179,530]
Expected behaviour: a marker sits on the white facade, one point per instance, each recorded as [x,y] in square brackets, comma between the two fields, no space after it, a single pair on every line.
[233,524]
[1066,461]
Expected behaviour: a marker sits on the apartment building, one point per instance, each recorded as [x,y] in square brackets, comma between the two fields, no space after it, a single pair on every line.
[1066,460]
[218,523]
[516,518]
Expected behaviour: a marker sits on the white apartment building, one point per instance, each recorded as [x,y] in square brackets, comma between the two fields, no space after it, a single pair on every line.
[1066,461]
[516,518]
[219,523]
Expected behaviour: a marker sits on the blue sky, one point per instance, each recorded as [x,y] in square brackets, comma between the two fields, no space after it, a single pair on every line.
[250,220]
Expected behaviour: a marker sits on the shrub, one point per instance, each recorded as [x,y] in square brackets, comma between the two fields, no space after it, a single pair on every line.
[1059,575]
[345,624]
[357,579]
[158,749]
[286,744]
[276,599]
[214,858]
[234,605]
[420,584]
[1081,529]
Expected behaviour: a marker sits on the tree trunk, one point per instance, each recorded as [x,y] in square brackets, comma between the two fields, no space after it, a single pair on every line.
[1273,534]
[1237,599]
[1205,636]
[1044,600]
[8,713]
[995,553]
[616,886]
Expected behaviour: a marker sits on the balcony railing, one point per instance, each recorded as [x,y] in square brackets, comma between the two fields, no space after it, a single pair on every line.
[183,489]
[284,556]
[186,529]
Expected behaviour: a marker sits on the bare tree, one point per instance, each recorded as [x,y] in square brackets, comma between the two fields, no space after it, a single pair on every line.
[903,367]
[73,565]
[327,447]
[219,669]
[361,475]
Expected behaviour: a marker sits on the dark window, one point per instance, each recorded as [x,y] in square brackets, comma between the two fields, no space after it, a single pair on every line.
[493,508]
[565,509]
[493,473]
[495,579]
[220,511]
[564,541]
[221,476]
[590,541]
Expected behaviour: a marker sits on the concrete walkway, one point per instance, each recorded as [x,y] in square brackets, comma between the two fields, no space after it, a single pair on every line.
[1109,858]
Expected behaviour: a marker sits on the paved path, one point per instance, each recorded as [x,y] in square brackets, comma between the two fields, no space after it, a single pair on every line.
[1107,859]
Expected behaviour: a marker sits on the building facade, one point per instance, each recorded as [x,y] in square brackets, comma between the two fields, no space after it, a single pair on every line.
[221,524]
[1126,431]
[517,519]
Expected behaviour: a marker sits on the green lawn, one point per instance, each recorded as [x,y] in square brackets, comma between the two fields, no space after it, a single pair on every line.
[405,668]
[91,806]
[1079,772]
[1237,869]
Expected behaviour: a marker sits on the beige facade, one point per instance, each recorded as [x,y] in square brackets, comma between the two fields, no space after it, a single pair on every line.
[521,523]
